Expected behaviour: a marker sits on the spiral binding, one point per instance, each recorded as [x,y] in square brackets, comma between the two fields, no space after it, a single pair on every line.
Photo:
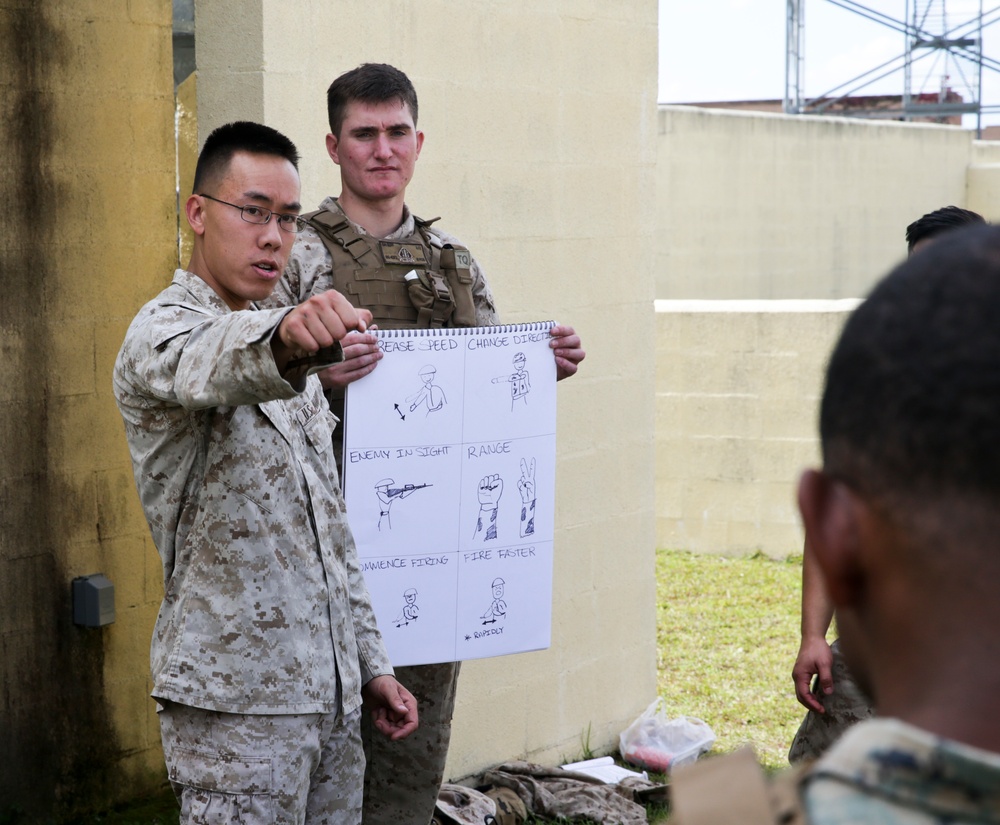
[498,329]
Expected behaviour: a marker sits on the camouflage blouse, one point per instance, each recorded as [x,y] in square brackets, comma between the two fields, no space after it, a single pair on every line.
[887,771]
[265,610]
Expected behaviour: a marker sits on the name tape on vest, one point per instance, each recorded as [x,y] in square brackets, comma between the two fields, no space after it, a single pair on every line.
[406,254]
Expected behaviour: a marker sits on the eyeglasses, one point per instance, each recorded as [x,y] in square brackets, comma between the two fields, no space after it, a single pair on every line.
[260,215]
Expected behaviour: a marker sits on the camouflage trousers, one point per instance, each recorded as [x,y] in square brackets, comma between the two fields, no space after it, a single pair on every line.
[259,770]
[844,707]
[402,779]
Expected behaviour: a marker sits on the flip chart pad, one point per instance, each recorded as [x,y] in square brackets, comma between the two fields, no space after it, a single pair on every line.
[449,478]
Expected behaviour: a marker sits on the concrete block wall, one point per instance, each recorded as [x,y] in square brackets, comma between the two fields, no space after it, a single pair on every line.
[87,174]
[755,205]
[983,179]
[517,101]
[737,391]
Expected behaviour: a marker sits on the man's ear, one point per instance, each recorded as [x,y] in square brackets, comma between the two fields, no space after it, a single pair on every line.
[194,208]
[420,142]
[332,148]
[831,514]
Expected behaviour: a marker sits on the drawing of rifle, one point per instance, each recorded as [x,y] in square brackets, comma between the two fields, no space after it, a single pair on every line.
[392,492]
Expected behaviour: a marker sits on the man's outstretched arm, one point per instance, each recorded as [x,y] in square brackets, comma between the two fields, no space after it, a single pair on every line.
[317,323]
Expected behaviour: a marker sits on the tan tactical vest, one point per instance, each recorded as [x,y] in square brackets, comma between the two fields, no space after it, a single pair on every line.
[413,283]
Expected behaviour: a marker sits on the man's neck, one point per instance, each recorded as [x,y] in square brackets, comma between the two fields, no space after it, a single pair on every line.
[378,218]
[942,679]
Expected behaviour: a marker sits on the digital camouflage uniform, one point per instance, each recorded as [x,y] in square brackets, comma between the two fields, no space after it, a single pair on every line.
[402,778]
[265,611]
[846,706]
[893,773]
[881,771]
[232,767]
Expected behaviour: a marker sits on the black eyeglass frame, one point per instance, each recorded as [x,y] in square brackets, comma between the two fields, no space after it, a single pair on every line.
[298,222]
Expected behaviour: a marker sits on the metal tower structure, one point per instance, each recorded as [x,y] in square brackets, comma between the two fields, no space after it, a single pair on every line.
[942,64]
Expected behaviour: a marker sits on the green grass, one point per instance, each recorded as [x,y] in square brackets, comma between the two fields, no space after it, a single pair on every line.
[727,634]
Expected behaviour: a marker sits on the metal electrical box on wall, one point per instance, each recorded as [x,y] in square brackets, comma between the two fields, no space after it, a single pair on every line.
[93,600]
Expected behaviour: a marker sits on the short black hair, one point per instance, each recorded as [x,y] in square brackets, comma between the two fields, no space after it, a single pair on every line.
[939,221]
[368,83]
[239,136]
[911,404]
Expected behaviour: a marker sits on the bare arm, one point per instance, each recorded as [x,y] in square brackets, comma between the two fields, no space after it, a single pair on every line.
[814,655]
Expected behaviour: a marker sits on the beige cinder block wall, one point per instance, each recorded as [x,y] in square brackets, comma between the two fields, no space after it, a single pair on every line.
[87,176]
[756,205]
[983,179]
[759,206]
[540,125]
[737,391]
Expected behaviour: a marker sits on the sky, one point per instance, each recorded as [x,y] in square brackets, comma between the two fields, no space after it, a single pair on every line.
[735,49]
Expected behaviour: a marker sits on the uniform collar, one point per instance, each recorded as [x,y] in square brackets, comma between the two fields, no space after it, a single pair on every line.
[404,230]
[201,292]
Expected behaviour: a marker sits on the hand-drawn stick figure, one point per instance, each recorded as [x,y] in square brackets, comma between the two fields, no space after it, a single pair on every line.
[526,487]
[498,607]
[387,494]
[490,490]
[520,383]
[430,394]
[410,609]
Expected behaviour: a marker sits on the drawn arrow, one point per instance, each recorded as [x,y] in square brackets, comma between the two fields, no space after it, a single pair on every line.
[396,408]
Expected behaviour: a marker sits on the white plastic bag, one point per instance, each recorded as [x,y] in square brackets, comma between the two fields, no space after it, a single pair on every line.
[657,743]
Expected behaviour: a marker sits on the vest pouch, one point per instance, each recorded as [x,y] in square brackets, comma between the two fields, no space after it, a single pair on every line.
[431,295]
[383,291]
[456,263]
